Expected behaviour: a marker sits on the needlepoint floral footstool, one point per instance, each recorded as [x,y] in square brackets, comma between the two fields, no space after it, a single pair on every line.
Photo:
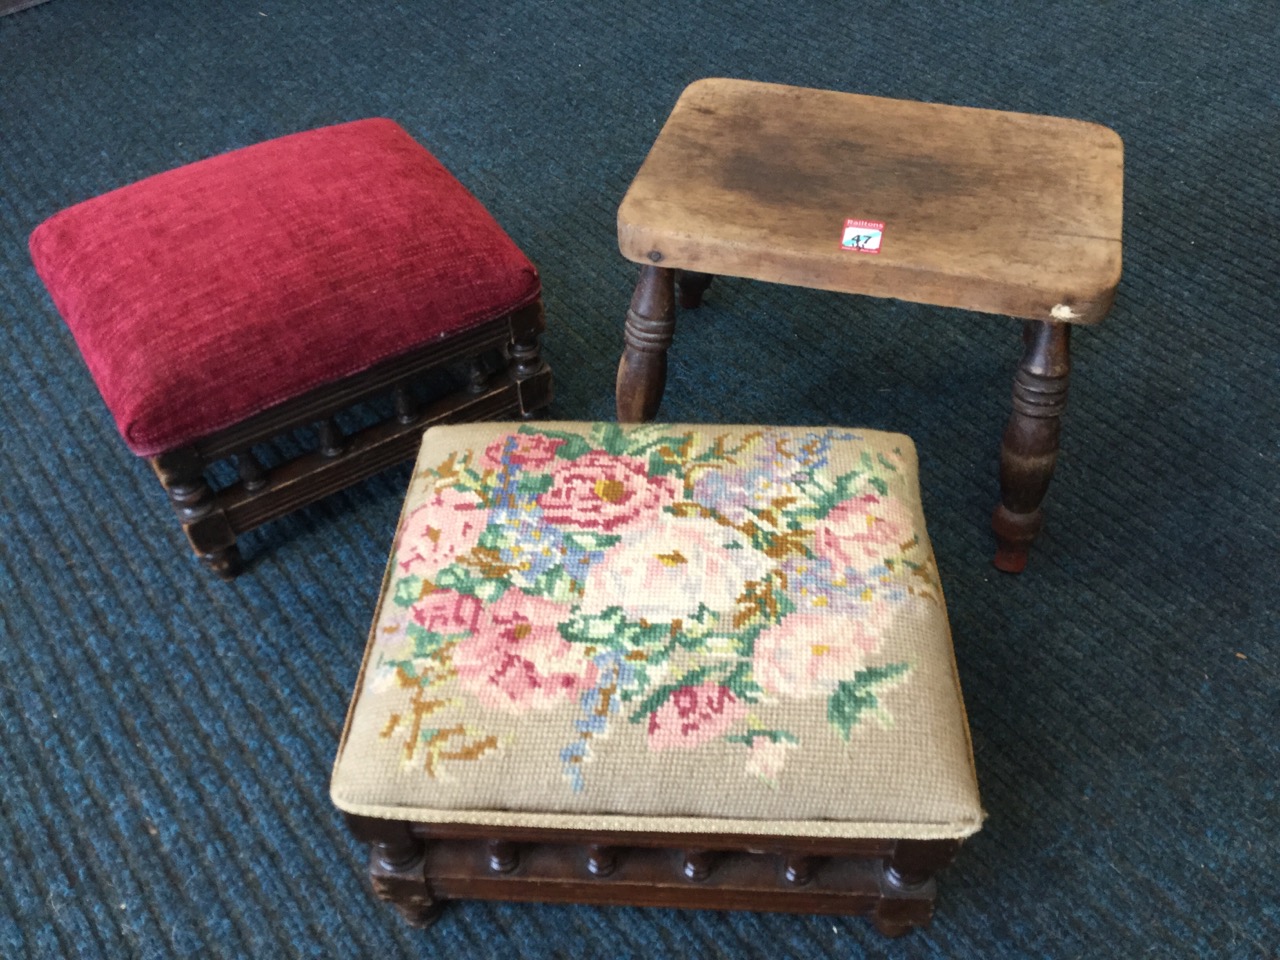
[678,665]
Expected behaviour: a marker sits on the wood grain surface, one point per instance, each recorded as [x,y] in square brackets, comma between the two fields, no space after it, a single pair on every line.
[987,210]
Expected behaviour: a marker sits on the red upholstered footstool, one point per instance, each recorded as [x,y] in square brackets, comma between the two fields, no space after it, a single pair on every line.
[228,302]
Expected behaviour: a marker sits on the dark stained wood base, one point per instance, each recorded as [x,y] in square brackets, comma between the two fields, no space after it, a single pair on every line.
[1029,450]
[417,867]
[647,334]
[213,519]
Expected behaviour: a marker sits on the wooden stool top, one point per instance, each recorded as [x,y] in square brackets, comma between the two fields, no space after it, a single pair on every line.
[986,210]
[662,628]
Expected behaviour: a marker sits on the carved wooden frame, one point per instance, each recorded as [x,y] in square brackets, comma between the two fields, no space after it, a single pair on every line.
[418,866]
[213,519]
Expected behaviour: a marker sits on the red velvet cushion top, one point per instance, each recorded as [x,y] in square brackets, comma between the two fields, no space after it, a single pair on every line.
[203,295]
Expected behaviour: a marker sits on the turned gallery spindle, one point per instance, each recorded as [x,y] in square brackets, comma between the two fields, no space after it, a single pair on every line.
[799,870]
[503,856]
[698,864]
[250,470]
[406,406]
[601,860]
[332,439]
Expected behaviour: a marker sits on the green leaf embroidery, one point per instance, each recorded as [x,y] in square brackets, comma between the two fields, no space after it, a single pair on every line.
[773,736]
[589,540]
[408,591]
[611,628]
[611,439]
[459,578]
[555,584]
[532,485]
[855,697]
[660,466]
[741,685]
[425,642]
[493,538]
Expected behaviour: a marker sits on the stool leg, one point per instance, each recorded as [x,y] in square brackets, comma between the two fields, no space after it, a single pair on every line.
[650,327]
[396,875]
[1030,447]
[908,890]
[530,373]
[397,867]
[691,287]
[210,533]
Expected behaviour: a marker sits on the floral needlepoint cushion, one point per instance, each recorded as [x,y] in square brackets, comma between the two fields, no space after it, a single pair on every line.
[667,628]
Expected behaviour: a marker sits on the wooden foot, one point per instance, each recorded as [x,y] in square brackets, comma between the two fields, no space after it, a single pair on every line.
[890,928]
[1030,447]
[650,327]
[396,875]
[691,287]
[227,562]
[208,530]
[420,911]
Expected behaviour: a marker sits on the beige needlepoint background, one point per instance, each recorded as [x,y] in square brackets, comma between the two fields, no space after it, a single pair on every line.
[905,771]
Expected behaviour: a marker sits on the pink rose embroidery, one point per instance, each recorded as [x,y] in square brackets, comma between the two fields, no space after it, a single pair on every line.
[447,526]
[694,715]
[868,527]
[809,654]
[522,450]
[517,659]
[447,612]
[600,492]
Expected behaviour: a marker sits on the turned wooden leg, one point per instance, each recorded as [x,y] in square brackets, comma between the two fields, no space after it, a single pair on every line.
[1030,446]
[210,533]
[914,862]
[908,889]
[526,355]
[396,874]
[397,867]
[650,326]
[691,287]
[530,372]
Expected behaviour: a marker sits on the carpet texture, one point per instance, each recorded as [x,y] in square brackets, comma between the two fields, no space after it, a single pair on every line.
[166,739]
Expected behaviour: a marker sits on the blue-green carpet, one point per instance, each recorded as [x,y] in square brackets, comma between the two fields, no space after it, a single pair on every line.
[165,739]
